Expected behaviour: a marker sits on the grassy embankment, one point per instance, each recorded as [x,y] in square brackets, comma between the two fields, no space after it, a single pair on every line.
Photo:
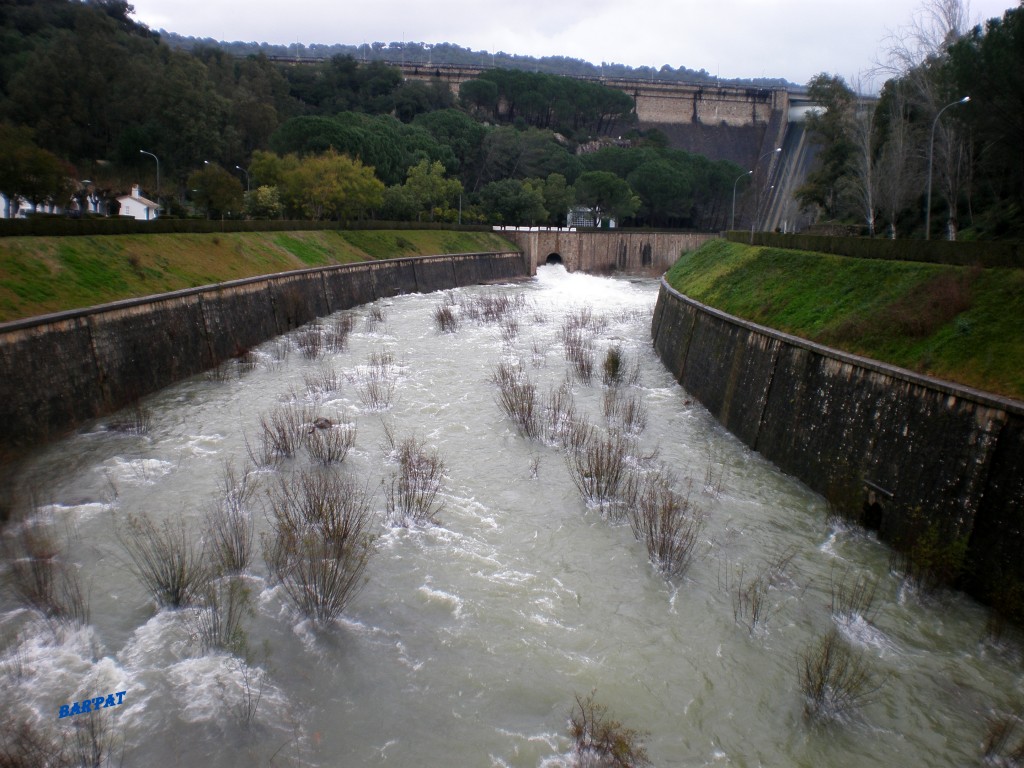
[957,323]
[39,275]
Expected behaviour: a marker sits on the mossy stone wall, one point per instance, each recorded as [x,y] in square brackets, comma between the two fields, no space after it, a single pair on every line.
[58,371]
[837,421]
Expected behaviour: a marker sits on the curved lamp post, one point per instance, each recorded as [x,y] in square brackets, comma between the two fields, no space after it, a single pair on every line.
[144,152]
[248,188]
[931,149]
[732,219]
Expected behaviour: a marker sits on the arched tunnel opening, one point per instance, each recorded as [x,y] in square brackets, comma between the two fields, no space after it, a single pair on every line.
[553,258]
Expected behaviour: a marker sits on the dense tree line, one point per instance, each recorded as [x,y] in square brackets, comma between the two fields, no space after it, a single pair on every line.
[89,99]
[561,104]
[948,126]
[449,54]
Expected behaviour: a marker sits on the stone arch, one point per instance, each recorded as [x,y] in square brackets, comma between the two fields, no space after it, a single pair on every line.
[553,258]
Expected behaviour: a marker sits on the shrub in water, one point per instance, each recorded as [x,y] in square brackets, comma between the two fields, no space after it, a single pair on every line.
[854,594]
[625,411]
[446,317]
[600,740]
[39,576]
[667,523]
[560,412]
[283,430]
[999,747]
[598,467]
[329,442]
[750,605]
[216,622]
[164,559]
[412,494]
[517,396]
[336,333]
[835,680]
[229,523]
[311,342]
[612,368]
[320,543]
[375,384]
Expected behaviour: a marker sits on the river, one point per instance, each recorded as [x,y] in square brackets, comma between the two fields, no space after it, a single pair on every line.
[473,636]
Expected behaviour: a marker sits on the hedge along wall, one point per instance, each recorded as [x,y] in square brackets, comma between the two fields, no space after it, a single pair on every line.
[963,254]
[940,457]
[62,226]
[60,370]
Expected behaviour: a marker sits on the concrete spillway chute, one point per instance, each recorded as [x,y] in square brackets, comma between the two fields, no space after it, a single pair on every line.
[800,113]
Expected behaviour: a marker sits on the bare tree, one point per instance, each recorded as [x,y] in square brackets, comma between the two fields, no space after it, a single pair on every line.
[951,169]
[936,25]
[897,175]
[864,179]
[913,54]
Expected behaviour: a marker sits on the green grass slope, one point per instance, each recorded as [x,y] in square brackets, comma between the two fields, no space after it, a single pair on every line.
[957,323]
[39,275]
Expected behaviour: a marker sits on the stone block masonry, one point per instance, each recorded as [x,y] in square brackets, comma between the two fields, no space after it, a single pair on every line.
[604,251]
[932,451]
[58,371]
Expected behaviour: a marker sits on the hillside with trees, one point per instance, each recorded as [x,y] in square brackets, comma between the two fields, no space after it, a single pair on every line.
[449,54]
[949,126]
[92,102]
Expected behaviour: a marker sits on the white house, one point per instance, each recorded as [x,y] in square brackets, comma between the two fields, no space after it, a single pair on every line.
[138,207]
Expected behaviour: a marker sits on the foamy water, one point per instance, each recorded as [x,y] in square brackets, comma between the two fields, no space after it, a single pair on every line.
[472,636]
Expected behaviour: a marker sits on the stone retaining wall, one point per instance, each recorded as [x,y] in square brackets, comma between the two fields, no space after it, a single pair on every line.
[937,456]
[60,370]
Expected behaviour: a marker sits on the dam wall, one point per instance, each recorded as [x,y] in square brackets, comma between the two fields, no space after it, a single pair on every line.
[941,461]
[60,370]
[605,251]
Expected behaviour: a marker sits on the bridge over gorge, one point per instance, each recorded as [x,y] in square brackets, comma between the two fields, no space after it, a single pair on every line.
[742,124]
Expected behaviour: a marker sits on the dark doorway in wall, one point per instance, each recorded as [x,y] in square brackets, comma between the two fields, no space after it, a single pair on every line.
[553,258]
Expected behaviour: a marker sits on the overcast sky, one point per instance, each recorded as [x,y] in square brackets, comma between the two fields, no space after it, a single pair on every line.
[791,39]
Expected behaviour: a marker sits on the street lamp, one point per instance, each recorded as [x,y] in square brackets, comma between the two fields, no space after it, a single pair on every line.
[144,152]
[248,188]
[732,220]
[931,149]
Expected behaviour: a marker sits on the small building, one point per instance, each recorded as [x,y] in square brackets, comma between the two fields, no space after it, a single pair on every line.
[20,208]
[581,216]
[14,208]
[138,207]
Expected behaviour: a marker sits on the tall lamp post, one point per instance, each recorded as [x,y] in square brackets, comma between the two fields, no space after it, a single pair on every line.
[248,188]
[732,219]
[144,152]
[931,149]
[757,206]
